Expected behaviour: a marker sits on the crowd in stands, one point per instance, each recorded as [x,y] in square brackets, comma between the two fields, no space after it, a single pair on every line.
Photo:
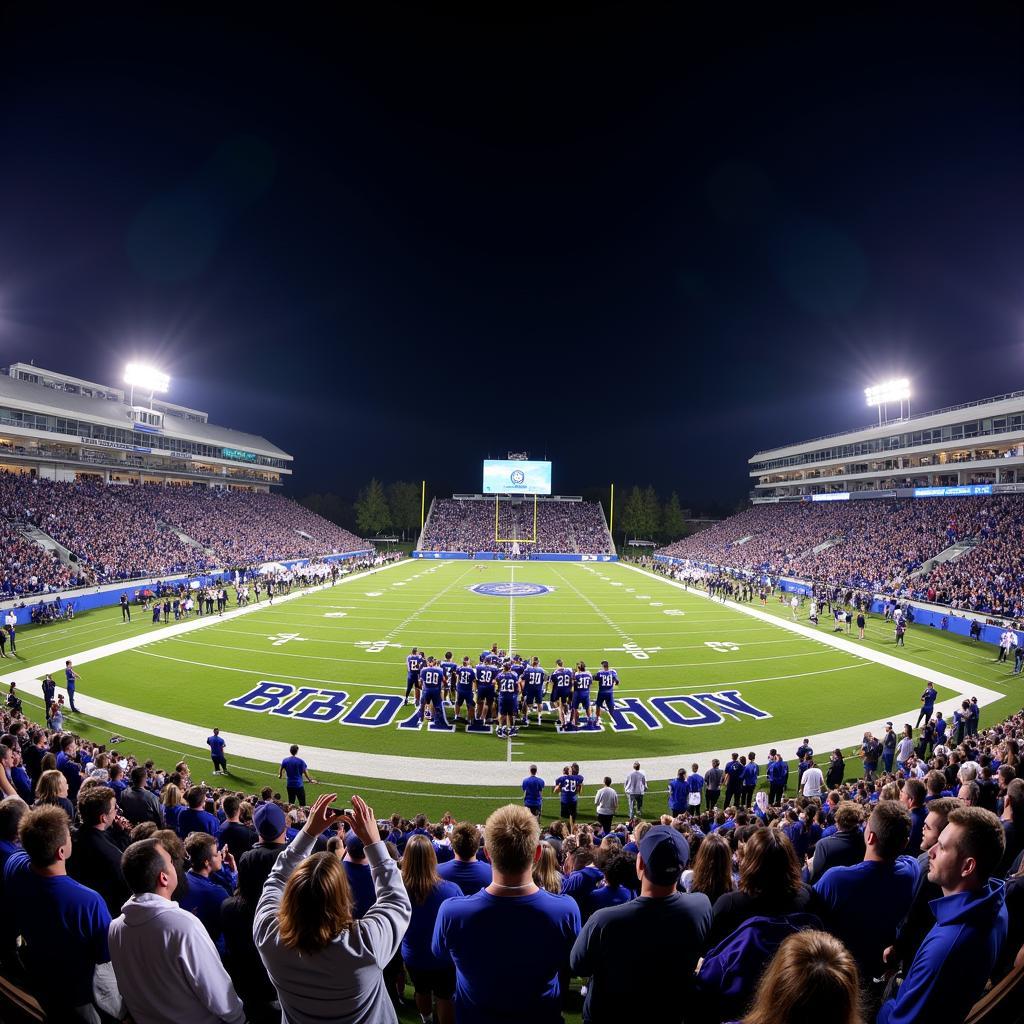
[879,545]
[147,893]
[562,527]
[26,567]
[119,532]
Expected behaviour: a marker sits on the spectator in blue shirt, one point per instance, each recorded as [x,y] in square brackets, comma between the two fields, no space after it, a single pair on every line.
[466,871]
[678,793]
[954,962]
[216,743]
[533,791]
[913,798]
[296,773]
[195,817]
[63,924]
[582,878]
[696,784]
[778,775]
[733,781]
[619,880]
[433,978]
[360,875]
[750,773]
[12,810]
[864,904]
[69,767]
[212,878]
[511,915]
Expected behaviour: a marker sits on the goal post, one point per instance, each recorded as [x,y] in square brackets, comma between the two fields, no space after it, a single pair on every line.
[498,539]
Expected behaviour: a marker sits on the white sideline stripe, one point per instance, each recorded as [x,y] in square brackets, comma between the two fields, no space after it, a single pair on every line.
[454,772]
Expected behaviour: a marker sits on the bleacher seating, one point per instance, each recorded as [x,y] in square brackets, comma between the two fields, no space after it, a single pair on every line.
[122,532]
[880,545]
[562,527]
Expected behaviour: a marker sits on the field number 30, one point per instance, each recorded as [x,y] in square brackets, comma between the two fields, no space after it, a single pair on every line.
[724,646]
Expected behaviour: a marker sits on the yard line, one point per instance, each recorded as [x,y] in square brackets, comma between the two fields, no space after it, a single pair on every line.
[416,614]
[511,620]
[264,672]
[623,635]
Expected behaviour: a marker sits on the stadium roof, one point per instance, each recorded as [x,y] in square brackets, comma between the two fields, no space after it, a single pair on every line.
[42,399]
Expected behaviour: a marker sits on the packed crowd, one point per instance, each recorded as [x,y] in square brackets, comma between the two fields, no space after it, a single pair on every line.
[127,532]
[562,527]
[890,893]
[878,545]
[27,568]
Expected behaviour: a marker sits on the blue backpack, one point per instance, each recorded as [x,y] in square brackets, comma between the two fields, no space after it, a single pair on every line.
[730,972]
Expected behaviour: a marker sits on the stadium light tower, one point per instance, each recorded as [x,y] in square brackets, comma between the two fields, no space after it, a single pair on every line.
[146,378]
[881,395]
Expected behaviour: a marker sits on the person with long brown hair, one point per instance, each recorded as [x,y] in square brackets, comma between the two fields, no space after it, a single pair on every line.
[769,884]
[712,868]
[810,970]
[324,962]
[432,979]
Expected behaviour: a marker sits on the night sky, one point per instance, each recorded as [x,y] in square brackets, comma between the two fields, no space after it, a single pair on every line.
[642,244]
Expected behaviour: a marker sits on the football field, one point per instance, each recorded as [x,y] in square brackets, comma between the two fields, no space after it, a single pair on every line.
[326,669]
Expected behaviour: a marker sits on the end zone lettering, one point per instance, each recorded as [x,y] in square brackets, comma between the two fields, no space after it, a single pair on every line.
[375,710]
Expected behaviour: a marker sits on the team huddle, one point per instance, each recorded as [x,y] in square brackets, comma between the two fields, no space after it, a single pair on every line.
[505,689]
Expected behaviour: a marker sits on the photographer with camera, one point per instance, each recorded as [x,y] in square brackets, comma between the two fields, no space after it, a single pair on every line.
[322,960]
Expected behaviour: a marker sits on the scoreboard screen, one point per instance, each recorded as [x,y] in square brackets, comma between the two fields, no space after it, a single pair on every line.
[516,476]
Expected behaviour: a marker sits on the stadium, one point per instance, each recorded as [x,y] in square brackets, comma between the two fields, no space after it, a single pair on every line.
[361,661]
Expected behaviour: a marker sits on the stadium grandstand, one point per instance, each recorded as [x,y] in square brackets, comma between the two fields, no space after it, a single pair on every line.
[831,872]
[95,489]
[939,519]
[562,525]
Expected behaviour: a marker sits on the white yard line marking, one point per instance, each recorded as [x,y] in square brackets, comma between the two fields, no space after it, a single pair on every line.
[511,613]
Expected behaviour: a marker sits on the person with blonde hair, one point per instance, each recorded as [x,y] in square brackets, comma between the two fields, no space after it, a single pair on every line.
[52,788]
[432,978]
[546,875]
[494,926]
[322,960]
[810,970]
[174,804]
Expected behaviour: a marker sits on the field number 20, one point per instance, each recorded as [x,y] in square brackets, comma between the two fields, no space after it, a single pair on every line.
[723,646]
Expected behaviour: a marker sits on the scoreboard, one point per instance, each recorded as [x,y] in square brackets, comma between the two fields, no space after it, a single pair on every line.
[516,476]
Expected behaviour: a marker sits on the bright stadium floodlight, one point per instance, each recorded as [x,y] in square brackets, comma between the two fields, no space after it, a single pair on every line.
[145,378]
[891,391]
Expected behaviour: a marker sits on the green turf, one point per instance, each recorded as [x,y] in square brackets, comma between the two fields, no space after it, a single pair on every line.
[800,682]
[806,686]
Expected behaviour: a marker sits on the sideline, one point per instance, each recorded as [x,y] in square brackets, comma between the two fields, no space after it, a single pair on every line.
[401,768]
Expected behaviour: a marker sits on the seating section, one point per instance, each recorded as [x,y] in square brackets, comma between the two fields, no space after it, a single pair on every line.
[122,532]
[875,544]
[564,527]
[593,861]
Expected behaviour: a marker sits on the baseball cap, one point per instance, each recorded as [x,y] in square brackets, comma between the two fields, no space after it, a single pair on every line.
[665,853]
[269,820]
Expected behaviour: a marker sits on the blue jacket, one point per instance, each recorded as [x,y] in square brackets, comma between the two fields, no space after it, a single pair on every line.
[750,771]
[954,961]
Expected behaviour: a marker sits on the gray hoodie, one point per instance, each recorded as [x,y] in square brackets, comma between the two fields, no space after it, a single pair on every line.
[344,981]
[167,967]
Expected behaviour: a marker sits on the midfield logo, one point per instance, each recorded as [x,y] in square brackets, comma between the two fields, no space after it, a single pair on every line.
[376,710]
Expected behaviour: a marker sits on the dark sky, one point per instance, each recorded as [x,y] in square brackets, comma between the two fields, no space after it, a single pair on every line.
[397,242]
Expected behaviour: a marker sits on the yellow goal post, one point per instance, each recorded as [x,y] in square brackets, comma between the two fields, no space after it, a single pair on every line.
[514,540]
